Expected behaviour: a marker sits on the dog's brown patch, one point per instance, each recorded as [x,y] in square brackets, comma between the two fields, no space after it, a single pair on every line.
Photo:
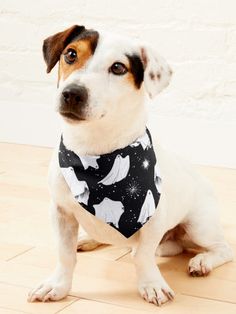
[158,76]
[136,70]
[144,57]
[84,51]
[130,78]
[84,42]
[55,44]
[152,76]
[84,45]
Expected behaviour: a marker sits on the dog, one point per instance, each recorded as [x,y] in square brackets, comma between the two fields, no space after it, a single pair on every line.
[103,81]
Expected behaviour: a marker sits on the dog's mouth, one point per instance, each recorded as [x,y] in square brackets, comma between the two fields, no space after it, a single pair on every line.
[71,116]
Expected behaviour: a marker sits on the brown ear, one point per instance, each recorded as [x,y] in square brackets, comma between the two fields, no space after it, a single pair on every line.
[54,45]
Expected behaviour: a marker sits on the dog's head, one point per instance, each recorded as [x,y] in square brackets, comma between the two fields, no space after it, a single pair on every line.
[102,75]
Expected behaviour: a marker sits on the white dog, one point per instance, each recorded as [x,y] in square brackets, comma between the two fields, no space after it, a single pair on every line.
[102,83]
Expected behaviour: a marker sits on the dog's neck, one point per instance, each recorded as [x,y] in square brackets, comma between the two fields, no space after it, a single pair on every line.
[99,137]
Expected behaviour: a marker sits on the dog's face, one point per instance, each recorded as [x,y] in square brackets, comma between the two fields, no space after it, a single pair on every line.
[102,76]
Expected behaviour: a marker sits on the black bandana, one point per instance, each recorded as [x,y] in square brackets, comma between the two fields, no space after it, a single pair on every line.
[121,188]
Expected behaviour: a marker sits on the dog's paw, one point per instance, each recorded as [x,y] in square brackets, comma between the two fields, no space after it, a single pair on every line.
[200,265]
[87,244]
[48,291]
[155,292]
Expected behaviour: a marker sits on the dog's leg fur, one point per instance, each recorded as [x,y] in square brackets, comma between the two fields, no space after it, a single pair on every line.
[59,283]
[169,248]
[204,229]
[151,285]
[217,252]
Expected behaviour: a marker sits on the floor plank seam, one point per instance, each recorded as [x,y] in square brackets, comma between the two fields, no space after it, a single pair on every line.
[66,306]
[207,298]
[15,310]
[110,303]
[118,258]
[21,253]
[15,285]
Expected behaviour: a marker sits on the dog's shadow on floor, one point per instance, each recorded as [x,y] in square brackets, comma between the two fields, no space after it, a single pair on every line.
[173,263]
[107,287]
[178,262]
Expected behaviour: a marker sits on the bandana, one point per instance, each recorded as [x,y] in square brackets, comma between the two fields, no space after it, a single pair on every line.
[122,188]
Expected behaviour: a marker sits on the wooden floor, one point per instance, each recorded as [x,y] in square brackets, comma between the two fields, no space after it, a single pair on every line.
[104,280]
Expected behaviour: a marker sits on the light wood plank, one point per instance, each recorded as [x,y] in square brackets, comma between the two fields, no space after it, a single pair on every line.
[22,275]
[106,281]
[115,276]
[23,179]
[182,304]
[34,257]
[108,252]
[31,154]
[9,251]
[88,307]
[24,191]
[15,298]
[224,184]
[25,221]
[180,263]
[3,310]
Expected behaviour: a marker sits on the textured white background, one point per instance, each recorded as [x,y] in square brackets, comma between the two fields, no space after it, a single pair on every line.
[195,116]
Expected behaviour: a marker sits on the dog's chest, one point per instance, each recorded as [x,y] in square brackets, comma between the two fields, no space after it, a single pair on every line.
[121,188]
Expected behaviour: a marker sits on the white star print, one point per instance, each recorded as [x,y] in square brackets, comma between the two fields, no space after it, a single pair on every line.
[133,189]
[145,164]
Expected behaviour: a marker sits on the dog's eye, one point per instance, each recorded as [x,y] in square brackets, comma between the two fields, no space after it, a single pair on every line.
[118,68]
[70,56]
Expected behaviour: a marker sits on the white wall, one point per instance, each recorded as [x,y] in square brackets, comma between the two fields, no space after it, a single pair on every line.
[195,117]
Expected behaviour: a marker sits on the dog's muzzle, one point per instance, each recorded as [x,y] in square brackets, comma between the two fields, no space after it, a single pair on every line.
[72,102]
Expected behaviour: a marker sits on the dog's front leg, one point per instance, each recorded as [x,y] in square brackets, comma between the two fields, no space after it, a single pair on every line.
[57,286]
[151,285]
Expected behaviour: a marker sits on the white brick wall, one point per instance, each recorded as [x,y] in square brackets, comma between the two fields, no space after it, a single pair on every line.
[195,117]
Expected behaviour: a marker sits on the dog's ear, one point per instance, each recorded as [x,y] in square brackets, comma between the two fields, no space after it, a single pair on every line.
[157,72]
[54,45]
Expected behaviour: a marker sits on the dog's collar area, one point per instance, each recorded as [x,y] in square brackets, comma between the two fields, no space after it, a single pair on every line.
[122,188]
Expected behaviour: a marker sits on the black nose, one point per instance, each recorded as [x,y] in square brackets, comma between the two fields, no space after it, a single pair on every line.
[73,96]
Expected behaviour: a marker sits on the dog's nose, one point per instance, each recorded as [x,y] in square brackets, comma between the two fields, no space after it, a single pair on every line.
[74,95]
